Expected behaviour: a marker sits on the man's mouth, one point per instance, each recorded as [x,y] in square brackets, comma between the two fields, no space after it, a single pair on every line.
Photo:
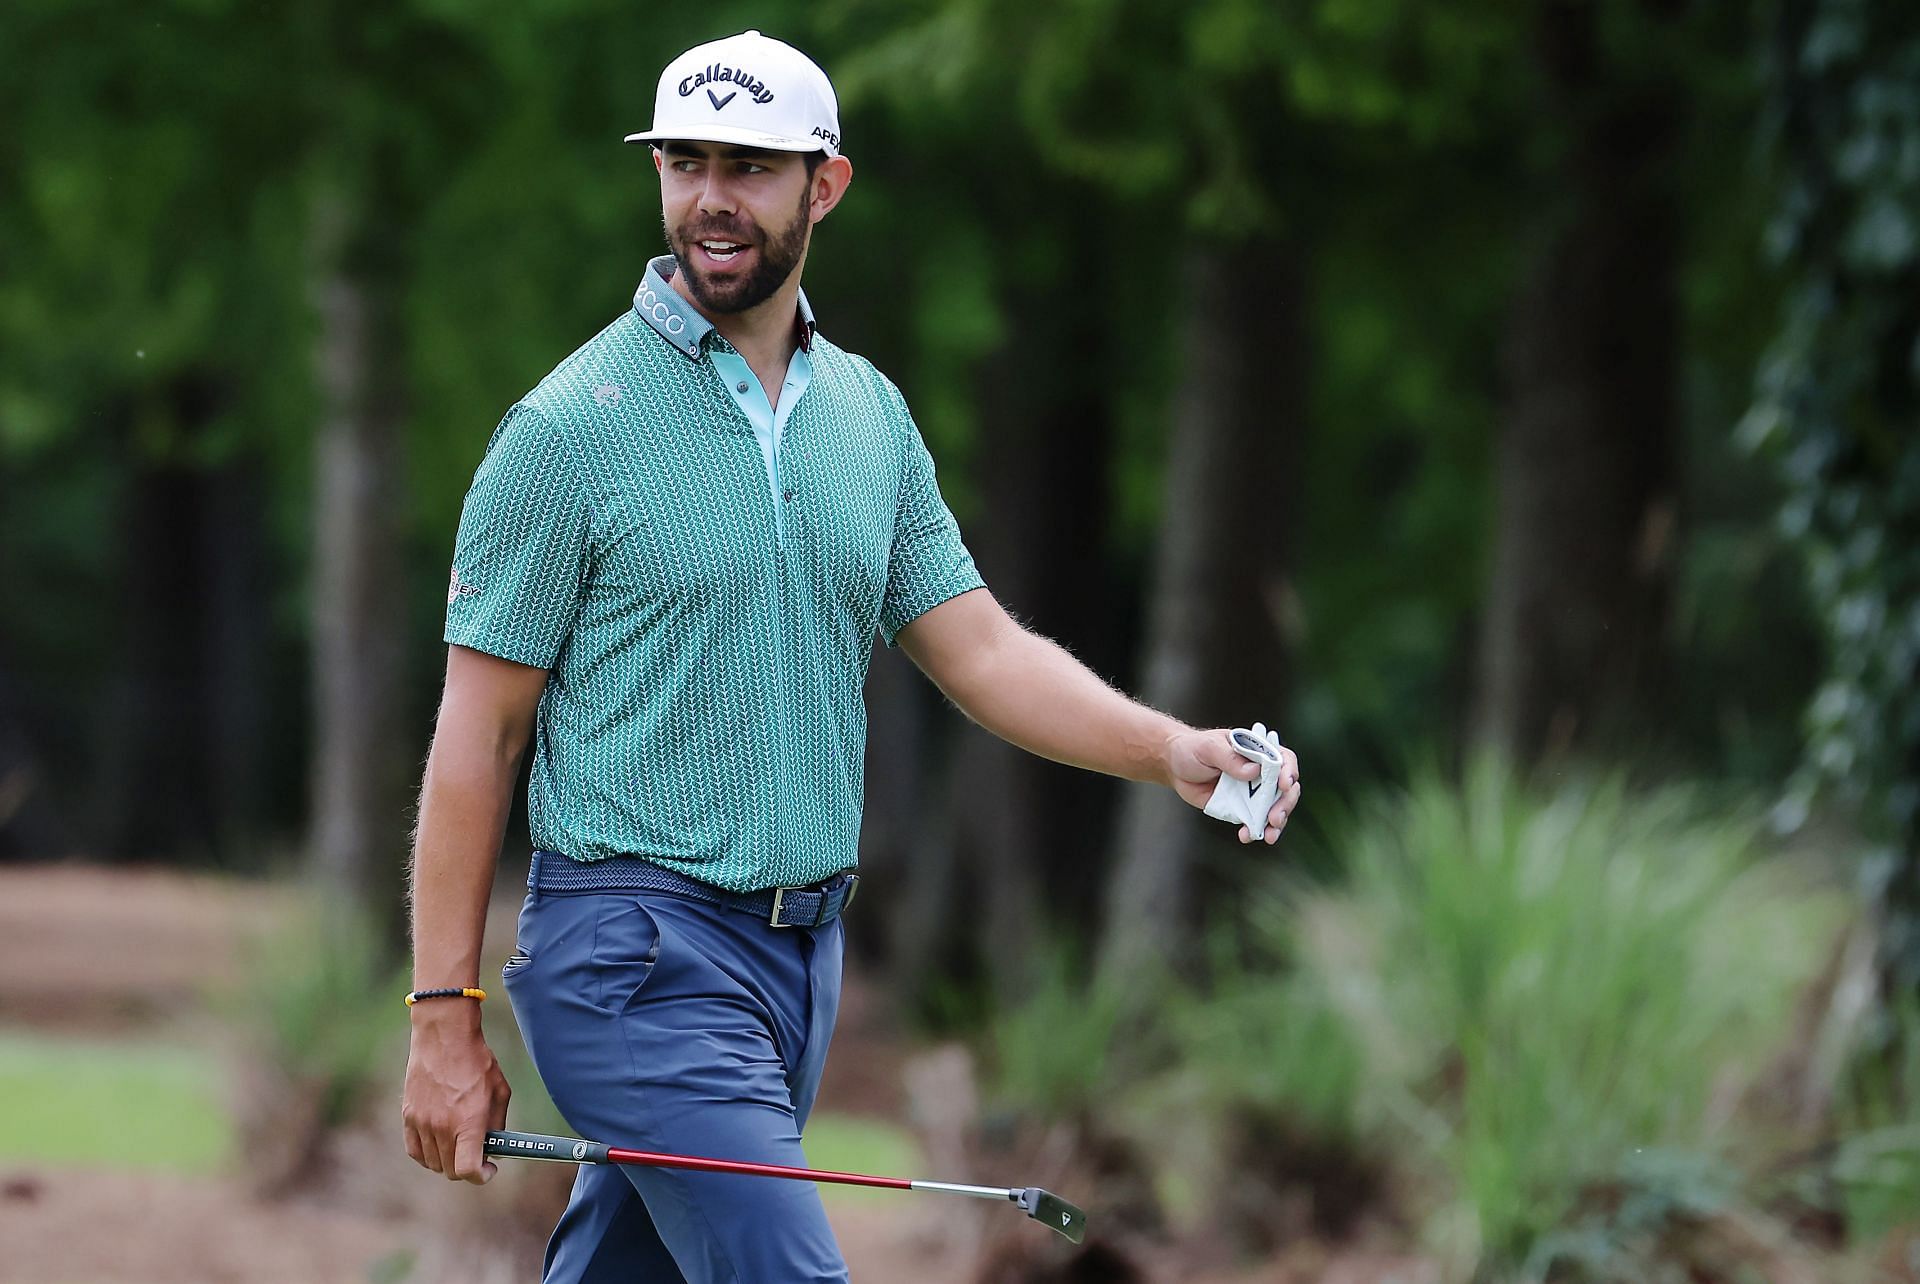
[720,251]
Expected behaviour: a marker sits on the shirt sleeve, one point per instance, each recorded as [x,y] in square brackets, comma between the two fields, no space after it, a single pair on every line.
[520,558]
[929,563]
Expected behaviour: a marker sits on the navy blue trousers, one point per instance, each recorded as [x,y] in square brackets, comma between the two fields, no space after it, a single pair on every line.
[660,1023]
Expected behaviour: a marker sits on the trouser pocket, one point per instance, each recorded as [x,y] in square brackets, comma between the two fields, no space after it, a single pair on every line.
[515,962]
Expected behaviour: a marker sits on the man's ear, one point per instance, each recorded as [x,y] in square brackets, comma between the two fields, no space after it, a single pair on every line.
[659,159]
[829,184]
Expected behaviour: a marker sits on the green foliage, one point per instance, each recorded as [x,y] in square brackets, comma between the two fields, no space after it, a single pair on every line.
[1541,1006]
[1255,1052]
[1549,982]
[1269,1045]
[1059,1053]
[1837,410]
[320,1008]
[1876,1162]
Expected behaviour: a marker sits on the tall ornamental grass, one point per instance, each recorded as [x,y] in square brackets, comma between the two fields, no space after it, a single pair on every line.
[1555,992]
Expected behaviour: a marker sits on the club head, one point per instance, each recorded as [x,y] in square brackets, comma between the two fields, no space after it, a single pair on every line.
[1054,1213]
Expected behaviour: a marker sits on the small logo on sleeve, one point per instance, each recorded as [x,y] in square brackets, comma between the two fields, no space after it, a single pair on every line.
[458,588]
[608,394]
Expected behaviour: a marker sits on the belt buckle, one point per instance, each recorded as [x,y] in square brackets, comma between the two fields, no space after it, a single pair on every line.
[780,893]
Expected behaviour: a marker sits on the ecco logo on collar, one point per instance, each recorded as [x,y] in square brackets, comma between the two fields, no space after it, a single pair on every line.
[657,308]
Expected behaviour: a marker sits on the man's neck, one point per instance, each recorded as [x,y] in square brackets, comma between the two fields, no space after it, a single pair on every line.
[767,333]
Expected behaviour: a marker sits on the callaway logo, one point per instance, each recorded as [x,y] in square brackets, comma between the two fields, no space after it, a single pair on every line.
[608,394]
[718,75]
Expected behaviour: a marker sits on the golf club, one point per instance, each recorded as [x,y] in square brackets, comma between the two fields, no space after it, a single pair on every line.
[1043,1206]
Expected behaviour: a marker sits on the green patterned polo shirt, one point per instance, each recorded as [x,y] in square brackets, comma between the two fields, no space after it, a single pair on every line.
[704,595]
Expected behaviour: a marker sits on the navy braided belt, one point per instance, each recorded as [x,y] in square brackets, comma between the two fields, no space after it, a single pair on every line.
[809,906]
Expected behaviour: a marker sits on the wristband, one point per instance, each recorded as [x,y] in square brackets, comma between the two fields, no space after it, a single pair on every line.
[449,992]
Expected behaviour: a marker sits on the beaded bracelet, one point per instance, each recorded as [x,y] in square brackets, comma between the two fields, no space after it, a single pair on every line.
[450,992]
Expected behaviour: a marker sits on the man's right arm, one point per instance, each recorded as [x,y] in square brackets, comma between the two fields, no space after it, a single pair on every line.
[454,1088]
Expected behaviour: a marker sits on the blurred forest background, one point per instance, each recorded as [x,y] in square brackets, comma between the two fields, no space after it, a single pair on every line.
[1515,403]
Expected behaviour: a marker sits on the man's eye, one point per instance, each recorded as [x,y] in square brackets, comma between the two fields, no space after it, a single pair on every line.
[683,166]
[752,168]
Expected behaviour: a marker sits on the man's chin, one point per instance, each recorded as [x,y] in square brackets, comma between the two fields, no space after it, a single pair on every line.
[727,294]
[724,296]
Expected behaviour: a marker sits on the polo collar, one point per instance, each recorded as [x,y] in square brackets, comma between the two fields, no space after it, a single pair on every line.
[680,323]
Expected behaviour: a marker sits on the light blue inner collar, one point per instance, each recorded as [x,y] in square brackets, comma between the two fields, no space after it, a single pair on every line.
[765,409]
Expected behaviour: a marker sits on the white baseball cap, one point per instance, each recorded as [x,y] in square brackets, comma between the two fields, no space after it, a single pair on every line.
[751,90]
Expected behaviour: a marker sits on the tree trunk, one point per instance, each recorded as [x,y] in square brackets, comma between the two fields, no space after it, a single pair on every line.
[893,846]
[152,796]
[1029,833]
[240,664]
[1573,646]
[361,756]
[152,802]
[31,824]
[1216,649]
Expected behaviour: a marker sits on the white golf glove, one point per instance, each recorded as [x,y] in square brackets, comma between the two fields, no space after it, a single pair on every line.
[1247,802]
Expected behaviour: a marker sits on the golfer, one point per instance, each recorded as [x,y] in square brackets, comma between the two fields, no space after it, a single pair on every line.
[668,575]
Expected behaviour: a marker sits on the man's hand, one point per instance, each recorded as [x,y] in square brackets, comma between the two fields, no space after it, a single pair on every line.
[1195,760]
[454,1092]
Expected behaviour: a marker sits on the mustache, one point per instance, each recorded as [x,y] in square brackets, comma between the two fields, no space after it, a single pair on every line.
[745,233]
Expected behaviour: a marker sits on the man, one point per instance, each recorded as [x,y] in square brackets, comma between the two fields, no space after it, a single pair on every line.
[669,573]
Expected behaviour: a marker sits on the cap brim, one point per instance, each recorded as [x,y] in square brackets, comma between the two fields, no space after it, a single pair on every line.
[735,135]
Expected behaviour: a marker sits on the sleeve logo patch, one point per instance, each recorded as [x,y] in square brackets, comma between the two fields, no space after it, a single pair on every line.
[458,588]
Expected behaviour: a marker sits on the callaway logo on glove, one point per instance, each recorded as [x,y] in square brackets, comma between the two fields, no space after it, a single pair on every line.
[1247,802]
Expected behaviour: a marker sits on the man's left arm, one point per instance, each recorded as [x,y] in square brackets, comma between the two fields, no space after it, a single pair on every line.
[1030,692]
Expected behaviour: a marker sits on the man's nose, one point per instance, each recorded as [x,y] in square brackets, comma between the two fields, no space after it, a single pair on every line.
[715,196]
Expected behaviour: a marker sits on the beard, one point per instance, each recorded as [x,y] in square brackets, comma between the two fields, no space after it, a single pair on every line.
[776,255]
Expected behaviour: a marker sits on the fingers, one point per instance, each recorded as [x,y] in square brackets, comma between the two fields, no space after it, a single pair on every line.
[1283,807]
[415,1151]
[431,1157]
[454,1094]
[470,1162]
[1216,750]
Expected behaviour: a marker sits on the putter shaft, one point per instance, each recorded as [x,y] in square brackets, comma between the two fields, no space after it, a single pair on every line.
[1043,1206]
